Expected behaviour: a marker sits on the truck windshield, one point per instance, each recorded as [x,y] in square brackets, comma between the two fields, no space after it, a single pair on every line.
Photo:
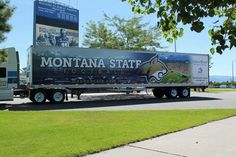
[2,72]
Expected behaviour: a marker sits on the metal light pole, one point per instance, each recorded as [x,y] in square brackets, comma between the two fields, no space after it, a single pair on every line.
[175,45]
[233,70]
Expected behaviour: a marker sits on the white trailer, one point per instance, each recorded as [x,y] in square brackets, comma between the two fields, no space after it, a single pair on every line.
[9,73]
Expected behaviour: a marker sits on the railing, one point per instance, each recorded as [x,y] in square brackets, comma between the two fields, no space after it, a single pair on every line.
[57,2]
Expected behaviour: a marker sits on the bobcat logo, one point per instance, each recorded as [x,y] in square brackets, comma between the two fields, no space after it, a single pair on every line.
[154,69]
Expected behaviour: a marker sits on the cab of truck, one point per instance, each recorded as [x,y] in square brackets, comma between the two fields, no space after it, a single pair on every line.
[9,73]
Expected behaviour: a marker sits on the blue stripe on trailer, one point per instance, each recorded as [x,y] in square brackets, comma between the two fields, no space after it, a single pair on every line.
[12,73]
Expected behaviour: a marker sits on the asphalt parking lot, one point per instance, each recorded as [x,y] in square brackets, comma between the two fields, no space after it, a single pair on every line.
[121,101]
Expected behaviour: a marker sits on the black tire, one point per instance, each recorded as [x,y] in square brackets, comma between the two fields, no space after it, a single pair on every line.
[158,93]
[38,96]
[172,93]
[184,93]
[57,96]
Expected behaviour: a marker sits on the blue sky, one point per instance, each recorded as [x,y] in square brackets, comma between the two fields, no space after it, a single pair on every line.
[21,36]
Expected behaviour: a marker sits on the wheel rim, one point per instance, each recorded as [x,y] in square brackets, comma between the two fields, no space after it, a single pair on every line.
[58,96]
[173,92]
[39,97]
[185,92]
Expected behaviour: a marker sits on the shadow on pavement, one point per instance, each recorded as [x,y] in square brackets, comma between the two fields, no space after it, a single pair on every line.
[97,103]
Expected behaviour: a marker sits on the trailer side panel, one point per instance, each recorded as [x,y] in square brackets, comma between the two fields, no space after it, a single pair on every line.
[104,68]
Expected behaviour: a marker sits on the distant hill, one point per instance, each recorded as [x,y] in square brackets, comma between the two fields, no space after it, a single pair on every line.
[216,78]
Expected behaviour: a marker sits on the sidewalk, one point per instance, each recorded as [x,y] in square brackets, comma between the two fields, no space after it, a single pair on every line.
[216,139]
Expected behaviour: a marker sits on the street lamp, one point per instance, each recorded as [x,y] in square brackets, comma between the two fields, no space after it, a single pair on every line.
[233,70]
[175,45]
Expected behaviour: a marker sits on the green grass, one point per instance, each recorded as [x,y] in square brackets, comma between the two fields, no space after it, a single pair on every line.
[174,77]
[219,90]
[59,134]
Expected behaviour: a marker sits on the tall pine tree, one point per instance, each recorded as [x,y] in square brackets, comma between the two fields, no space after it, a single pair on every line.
[6,12]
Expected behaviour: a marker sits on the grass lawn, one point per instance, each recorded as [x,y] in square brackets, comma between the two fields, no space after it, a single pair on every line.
[174,77]
[219,90]
[68,134]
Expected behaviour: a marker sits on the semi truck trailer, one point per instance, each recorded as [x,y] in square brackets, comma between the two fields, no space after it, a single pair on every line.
[53,72]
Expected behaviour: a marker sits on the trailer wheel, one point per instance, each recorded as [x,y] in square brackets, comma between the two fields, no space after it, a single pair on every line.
[38,96]
[184,93]
[158,93]
[172,93]
[57,96]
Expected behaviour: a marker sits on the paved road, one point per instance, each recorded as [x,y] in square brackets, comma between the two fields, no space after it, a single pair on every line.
[217,139]
[120,101]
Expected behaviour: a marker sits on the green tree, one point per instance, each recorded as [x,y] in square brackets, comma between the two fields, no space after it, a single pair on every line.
[99,36]
[3,56]
[173,13]
[6,12]
[119,33]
